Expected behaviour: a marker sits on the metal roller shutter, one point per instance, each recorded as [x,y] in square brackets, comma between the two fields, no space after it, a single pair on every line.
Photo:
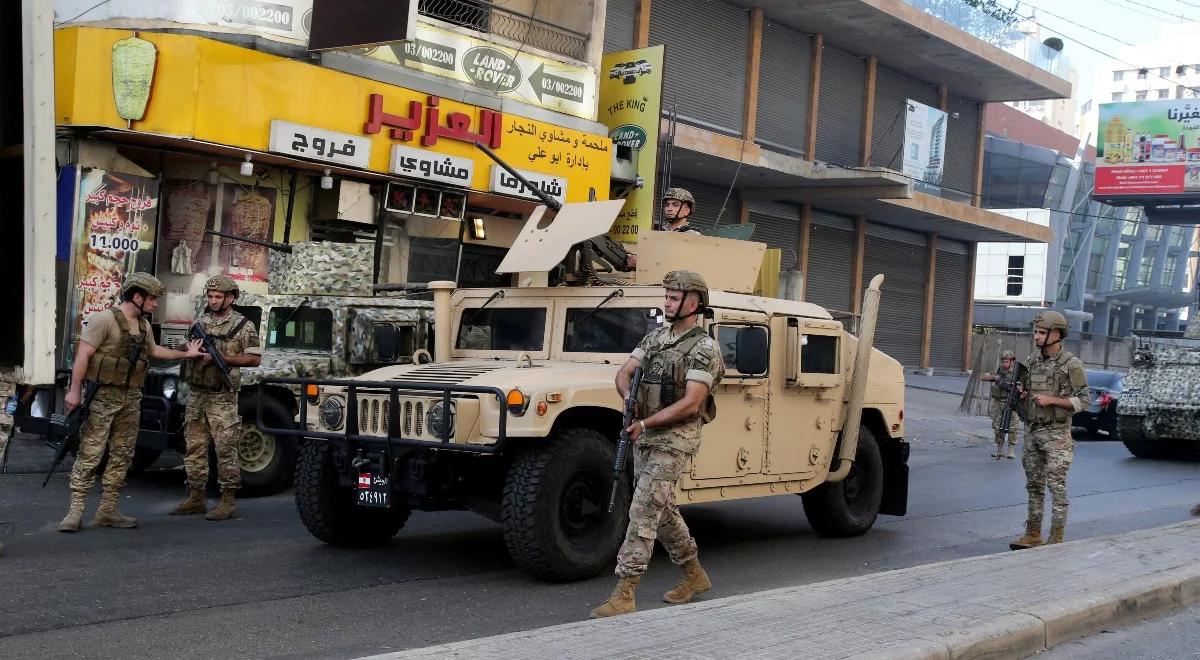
[777,225]
[618,26]
[892,89]
[900,256]
[706,49]
[950,302]
[839,120]
[830,261]
[782,121]
[708,203]
[962,142]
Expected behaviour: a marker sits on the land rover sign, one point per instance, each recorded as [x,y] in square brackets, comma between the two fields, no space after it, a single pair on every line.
[492,69]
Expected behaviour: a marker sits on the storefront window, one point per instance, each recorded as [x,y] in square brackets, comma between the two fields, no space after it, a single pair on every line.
[1120,267]
[1144,270]
[1096,261]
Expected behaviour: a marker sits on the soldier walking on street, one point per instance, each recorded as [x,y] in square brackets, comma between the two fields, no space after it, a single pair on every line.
[680,364]
[1008,361]
[212,410]
[113,352]
[1055,388]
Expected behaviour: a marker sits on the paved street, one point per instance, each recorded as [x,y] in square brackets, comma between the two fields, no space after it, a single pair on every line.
[262,586]
[1175,635]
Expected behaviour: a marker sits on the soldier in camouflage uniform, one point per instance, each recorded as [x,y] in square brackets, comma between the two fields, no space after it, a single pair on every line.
[677,206]
[212,410]
[1008,361]
[1054,388]
[680,365]
[113,352]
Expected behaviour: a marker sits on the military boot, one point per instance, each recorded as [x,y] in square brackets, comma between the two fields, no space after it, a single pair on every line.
[1032,538]
[226,509]
[621,601]
[695,581]
[1056,533]
[1012,450]
[999,451]
[74,520]
[1196,510]
[194,503]
[108,516]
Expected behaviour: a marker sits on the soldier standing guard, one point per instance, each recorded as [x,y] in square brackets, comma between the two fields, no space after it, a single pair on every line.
[1008,361]
[212,410]
[677,358]
[1055,387]
[114,351]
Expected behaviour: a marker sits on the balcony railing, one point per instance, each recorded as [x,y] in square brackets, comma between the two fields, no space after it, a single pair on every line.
[996,24]
[483,16]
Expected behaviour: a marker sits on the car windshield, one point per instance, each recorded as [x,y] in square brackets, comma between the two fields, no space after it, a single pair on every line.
[502,329]
[615,330]
[1104,380]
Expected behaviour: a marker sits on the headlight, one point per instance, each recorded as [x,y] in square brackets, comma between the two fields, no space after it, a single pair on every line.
[434,417]
[170,385]
[333,413]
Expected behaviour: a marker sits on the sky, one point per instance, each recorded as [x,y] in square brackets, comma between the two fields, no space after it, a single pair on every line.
[1133,21]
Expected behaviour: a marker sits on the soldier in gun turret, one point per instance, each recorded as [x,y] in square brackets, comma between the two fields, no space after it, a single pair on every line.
[114,351]
[1054,388]
[1003,376]
[677,206]
[682,361]
[212,410]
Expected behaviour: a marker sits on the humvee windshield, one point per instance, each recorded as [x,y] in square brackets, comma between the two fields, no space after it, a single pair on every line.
[305,328]
[502,329]
[616,330]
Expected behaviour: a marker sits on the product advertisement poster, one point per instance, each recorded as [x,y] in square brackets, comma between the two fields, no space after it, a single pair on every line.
[924,142]
[1149,148]
[116,219]
[630,106]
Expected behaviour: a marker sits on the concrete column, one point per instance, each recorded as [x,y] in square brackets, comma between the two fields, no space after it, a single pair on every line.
[641,24]
[802,249]
[969,331]
[1125,323]
[868,123]
[1160,259]
[930,292]
[595,49]
[860,251]
[814,96]
[1100,318]
[1135,258]
[977,197]
[753,62]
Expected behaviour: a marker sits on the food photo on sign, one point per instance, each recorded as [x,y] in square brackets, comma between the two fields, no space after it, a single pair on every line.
[192,207]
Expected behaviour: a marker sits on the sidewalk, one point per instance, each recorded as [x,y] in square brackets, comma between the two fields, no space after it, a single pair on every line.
[937,383]
[1007,605]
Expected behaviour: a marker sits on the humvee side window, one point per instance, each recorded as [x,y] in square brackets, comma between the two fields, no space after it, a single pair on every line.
[616,330]
[502,329]
[305,328]
[818,354]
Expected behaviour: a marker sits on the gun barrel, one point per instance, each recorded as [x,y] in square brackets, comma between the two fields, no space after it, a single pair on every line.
[287,249]
[549,201]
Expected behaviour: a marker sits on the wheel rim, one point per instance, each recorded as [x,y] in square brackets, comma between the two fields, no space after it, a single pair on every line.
[256,449]
[851,486]
[582,511]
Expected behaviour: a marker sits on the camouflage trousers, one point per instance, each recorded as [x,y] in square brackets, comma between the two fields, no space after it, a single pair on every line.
[212,416]
[653,513]
[113,422]
[1047,457]
[996,413]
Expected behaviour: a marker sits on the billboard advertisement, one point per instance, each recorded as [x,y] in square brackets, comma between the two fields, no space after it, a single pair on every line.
[1149,149]
[924,142]
[630,106]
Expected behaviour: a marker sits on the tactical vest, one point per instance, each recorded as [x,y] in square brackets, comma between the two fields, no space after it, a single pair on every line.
[999,393]
[664,377]
[207,377]
[1049,377]
[126,366]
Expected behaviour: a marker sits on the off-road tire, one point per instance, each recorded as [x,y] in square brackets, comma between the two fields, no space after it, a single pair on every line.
[849,507]
[277,473]
[328,509]
[554,508]
[1135,441]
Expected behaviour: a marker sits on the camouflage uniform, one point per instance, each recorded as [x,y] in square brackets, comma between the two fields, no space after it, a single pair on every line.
[663,454]
[1049,448]
[212,409]
[999,396]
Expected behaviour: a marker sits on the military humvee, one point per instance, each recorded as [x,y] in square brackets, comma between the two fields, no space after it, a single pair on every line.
[518,417]
[323,323]
[1159,414]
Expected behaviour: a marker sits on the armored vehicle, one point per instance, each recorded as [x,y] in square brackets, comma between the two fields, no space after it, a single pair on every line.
[518,417]
[1159,413]
[323,322]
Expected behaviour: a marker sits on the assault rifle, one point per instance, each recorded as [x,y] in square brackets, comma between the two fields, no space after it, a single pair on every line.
[210,347]
[278,247]
[623,444]
[67,427]
[1012,399]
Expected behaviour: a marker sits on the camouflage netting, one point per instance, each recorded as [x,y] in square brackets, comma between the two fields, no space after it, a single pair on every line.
[323,268]
[1163,388]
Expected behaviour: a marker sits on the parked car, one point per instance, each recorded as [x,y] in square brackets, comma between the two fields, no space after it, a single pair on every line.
[1106,387]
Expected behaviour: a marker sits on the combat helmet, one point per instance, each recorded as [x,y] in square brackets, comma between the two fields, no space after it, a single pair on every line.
[142,282]
[223,284]
[1051,320]
[681,195]
[1008,355]
[686,280]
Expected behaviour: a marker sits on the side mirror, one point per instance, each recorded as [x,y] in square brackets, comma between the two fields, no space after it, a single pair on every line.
[753,351]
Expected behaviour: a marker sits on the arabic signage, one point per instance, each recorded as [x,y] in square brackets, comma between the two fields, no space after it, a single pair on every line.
[116,216]
[198,80]
[505,183]
[431,166]
[1149,149]
[924,142]
[280,20]
[630,105]
[508,72]
[319,144]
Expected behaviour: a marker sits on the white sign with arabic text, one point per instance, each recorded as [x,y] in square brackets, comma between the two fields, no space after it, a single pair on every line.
[505,183]
[319,144]
[431,166]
